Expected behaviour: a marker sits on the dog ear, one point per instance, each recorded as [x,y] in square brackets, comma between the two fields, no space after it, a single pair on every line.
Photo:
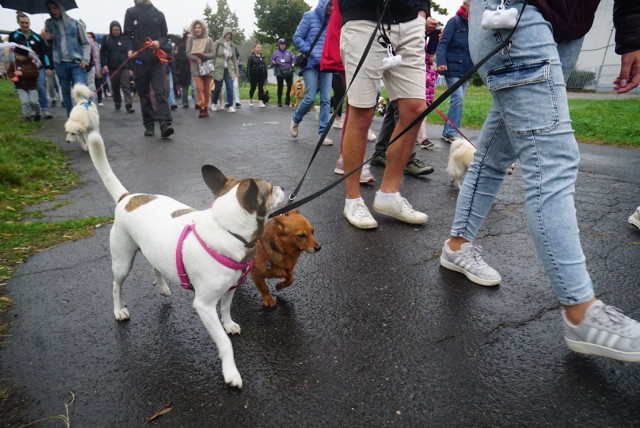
[214,178]
[249,199]
[293,211]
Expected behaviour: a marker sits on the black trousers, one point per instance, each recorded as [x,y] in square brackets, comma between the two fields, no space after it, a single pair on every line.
[148,78]
[259,82]
[289,81]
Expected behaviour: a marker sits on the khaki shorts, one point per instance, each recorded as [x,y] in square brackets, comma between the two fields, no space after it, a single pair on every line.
[403,81]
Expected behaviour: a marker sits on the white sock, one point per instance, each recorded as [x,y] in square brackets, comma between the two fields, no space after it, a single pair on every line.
[348,203]
[386,197]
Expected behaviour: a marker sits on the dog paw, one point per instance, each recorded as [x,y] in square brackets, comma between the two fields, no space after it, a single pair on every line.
[232,328]
[232,377]
[163,289]
[268,302]
[121,314]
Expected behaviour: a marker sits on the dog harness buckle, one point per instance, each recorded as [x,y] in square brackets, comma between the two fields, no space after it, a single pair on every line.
[222,259]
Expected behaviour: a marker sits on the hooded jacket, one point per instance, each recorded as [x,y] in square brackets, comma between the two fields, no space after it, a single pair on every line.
[208,49]
[76,47]
[220,61]
[453,48]
[308,29]
[141,21]
[282,60]
[114,50]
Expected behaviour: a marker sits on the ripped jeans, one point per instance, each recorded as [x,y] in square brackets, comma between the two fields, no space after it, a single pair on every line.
[529,122]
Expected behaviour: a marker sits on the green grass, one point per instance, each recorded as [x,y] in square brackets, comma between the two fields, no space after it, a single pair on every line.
[32,171]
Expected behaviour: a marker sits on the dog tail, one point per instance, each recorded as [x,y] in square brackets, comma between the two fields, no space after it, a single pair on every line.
[100,161]
[81,92]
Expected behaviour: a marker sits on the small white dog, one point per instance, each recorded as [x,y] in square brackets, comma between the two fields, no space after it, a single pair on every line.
[460,157]
[84,116]
[206,251]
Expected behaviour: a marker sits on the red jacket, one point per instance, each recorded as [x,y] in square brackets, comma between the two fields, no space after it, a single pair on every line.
[331,60]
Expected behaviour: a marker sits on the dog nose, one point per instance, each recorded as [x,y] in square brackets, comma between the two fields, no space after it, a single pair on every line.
[317,247]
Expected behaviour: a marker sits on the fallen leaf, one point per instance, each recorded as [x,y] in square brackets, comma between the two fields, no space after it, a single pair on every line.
[164,409]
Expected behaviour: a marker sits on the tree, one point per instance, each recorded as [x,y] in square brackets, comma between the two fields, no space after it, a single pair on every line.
[278,18]
[223,17]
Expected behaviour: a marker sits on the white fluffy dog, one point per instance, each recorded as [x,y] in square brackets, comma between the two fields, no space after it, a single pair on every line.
[460,157]
[84,117]
[206,251]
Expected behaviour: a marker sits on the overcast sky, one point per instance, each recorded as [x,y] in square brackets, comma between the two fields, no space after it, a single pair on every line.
[97,14]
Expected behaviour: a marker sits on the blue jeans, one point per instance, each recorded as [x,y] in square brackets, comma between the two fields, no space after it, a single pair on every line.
[529,122]
[172,94]
[42,90]
[456,102]
[228,85]
[315,80]
[69,73]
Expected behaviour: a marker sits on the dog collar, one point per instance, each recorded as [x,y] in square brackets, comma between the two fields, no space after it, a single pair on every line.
[86,103]
[224,260]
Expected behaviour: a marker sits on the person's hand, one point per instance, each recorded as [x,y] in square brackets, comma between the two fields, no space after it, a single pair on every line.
[18,73]
[430,24]
[441,68]
[629,77]
[83,64]
[154,44]
[105,69]
[49,72]
[132,54]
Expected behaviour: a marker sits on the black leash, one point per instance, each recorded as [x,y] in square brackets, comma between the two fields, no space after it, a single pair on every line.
[468,75]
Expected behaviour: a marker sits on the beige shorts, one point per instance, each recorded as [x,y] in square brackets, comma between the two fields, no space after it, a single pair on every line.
[403,81]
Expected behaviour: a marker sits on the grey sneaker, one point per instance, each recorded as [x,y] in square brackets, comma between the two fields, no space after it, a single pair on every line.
[605,332]
[359,216]
[293,129]
[401,209]
[468,262]
[417,168]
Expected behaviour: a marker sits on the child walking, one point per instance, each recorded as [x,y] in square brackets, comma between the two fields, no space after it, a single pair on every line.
[24,73]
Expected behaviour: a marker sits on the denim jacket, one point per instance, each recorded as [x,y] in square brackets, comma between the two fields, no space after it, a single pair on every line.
[77,47]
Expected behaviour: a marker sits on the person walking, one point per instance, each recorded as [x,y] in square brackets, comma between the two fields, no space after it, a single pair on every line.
[257,69]
[25,37]
[144,22]
[200,52]
[225,69]
[113,57]
[282,62]
[453,61]
[23,72]
[312,28]
[71,50]
[529,121]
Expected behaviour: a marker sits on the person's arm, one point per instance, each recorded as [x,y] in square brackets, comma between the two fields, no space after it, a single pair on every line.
[192,57]
[103,54]
[208,50]
[127,33]
[626,18]
[299,37]
[86,46]
[441,51]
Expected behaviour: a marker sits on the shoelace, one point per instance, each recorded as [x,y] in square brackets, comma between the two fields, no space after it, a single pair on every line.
[472,253]
[360,211]
[612,317]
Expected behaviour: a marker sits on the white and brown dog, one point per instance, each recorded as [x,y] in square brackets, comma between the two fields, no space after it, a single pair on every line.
[208,251]
[83,118]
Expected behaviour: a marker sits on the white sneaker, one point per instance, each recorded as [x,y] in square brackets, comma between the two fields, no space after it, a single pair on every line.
[634,218]
[358,215]
[232,109]
[371,136]
[327,142]
[250,103]
[261,104]
[365,175]
[293,129]
[401,209]
[101,104]
[468,262]
[606,332]
[214,107]
[339,169]
[338,123]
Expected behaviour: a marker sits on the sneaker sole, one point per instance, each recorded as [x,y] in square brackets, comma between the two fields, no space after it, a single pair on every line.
[471,277]
[409,221]
[602,351]
[339,171]
[634,222]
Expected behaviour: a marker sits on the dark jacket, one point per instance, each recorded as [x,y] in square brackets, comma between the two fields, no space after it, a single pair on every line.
[572,19]
[142,21]
[114,50]
[453,48]
[256,66]
[29,79]
[36,43]
[398,11]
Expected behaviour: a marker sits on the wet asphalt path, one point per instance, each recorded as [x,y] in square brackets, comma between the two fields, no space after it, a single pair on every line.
[372,333]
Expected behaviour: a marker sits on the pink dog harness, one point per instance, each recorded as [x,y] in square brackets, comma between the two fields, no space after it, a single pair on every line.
[224,260]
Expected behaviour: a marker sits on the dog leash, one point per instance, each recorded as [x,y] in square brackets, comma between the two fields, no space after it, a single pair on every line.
[468,75]
[222,259]
[446,119]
